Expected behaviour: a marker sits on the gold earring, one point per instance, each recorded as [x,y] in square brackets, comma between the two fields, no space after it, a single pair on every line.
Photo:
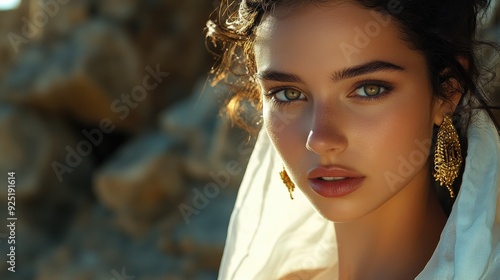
[447,155]
[287,181]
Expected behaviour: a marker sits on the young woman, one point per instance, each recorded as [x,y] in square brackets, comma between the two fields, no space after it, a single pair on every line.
[377,119]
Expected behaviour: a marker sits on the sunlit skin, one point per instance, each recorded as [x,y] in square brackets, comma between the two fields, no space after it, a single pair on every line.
[318,112]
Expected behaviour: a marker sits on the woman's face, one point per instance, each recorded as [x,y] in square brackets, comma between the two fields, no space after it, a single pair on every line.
[348,105]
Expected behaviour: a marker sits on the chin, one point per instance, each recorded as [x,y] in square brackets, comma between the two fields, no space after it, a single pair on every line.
[340,218]
[338,213]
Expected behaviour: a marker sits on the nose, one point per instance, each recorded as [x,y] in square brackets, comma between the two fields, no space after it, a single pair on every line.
[326,134]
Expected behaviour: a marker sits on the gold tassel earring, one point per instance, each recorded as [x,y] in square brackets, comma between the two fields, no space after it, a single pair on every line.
[287,181]
[447,155]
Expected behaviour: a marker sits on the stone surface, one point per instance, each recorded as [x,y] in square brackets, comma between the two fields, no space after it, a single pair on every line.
[10,27]
[84,76]
[63,16]
[114,212]
[96,249]
[170,33]
[120,10]
[201,238]
[141,182]
[45,200]
[208,139]
[30,145]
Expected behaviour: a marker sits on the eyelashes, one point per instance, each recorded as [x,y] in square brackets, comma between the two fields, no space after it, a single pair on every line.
[368,90]
[373,89]
[286,95]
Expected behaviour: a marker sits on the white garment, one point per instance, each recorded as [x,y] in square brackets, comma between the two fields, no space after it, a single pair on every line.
[270,236]
[469,247]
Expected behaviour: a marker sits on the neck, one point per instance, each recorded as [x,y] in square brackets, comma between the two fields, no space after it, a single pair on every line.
[396,240]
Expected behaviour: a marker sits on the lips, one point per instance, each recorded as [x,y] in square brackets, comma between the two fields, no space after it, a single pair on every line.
[334,181]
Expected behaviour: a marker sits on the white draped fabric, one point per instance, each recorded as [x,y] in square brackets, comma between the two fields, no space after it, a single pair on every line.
[270,236]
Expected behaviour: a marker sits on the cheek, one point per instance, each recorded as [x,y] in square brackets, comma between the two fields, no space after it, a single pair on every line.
[284,127]
[398,143]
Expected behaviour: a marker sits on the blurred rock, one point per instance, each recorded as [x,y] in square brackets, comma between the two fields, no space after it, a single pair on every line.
[62,16]
[87,76]
[52,181]
[37,148]
[202,239]
[170,33]
[31,241]
[208,138]
[9,26]
[83,67]
[120,10]
[96,249]
[192,114]
[141,182]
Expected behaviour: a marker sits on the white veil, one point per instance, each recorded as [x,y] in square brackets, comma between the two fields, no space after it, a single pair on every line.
[270,236]
[469,246]
[262,238]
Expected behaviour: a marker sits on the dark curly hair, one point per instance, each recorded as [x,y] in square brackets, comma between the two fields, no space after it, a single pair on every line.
[442,31]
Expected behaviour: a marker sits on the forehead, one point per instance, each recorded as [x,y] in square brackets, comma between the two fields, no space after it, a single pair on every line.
[326,36]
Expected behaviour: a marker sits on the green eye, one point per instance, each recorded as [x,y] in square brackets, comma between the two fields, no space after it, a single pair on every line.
[292,94]
[289,94]
[372,90]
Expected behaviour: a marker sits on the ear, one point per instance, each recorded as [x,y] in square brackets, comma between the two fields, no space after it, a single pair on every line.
[444,107]
[453,92]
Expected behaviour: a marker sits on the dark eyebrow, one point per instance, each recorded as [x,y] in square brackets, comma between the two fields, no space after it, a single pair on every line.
[369,67]
[272,75]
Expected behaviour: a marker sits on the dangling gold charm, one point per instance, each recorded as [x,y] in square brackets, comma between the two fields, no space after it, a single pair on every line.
[287,181]
[447,155]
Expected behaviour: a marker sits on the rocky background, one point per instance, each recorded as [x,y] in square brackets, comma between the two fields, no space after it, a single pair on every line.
[124,168]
